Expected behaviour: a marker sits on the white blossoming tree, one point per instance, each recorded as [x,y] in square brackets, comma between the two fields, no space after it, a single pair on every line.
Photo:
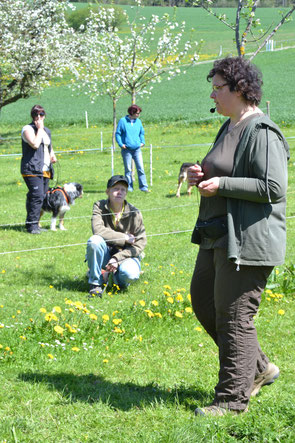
[252,30]
[36,44]
[114,63]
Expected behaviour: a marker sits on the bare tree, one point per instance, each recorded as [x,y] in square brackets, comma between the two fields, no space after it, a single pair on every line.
[251,31]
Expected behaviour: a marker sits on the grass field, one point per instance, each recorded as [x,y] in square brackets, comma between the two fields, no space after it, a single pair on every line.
[133,366]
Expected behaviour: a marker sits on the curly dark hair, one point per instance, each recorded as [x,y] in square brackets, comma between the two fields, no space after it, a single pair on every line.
[134,109]
[240,75]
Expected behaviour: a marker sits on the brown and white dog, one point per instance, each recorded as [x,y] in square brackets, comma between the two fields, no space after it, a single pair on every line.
[58,200]
[182,177]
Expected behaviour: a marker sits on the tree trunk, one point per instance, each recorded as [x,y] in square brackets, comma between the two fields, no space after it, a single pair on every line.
[133,95]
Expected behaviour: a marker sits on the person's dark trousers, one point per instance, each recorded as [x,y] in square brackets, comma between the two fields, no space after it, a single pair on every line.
[37,187]
[225,301]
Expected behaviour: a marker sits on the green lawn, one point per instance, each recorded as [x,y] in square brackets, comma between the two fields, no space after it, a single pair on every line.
[133,366]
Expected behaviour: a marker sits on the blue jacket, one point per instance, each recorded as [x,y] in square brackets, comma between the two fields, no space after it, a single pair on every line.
[130,135]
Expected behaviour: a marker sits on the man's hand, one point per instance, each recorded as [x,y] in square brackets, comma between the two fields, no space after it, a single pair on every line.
[112,265]
[209,188]
[123,146]
[129,238]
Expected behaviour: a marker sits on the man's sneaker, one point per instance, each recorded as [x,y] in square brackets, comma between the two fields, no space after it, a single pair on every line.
[216,411]
[265,378]
[95,290]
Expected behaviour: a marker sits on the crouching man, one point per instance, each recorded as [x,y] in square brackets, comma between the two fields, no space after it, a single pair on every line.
[118,239]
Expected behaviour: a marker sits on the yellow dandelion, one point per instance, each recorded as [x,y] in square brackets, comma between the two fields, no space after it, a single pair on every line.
[158,314]
[188,310]
[167,287]
[146,282]
[115,312]
[146,264]
[22,337]
[18,311]
[68,302]
[178,314]
[117,321]
[170,300]
[281,312]
[197,328]
[141,302]
[105,318]
[105,360]
[93,316]
[268,291]
[140,338]
[71,310]
[118,330]
[56,309]
[1,346]
[179,298]
[50,356]
[50,286]
[58,329]
[3,271]
[155,303]
[149,313]
[189,297]
[75,349]
[167,293]
[42,310]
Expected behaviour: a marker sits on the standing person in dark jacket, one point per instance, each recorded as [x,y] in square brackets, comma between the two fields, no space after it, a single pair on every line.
[36,165]
[130,138]
[241,230]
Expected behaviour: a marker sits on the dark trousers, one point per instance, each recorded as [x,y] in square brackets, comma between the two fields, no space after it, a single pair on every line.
[37,187]
[225,301]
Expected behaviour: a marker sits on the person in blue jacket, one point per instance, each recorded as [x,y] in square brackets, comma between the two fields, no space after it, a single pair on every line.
[130,138]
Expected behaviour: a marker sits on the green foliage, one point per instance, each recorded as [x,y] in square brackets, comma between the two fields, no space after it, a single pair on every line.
[77,18]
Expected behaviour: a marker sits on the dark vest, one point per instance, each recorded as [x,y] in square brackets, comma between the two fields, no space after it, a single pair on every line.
[32,161]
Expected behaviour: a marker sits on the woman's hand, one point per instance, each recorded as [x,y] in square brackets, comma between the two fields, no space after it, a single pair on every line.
[209,188]
[194,175]
[53,158]
[112,265]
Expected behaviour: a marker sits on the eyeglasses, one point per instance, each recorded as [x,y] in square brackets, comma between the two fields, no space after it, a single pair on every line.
[41,114]
[216,88]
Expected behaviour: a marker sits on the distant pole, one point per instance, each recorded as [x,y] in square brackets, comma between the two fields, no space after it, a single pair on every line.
[86,118]
[101,142]
[112,155]
[151,165]
[268,108]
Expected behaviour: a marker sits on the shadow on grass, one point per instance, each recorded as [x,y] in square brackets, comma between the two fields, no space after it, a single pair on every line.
[92,388]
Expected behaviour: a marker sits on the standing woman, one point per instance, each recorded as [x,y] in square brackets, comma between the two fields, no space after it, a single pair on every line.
[241,231]
[36,165]
[130,138]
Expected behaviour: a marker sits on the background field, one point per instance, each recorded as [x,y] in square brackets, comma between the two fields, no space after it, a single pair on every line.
[185,98]
[130,367]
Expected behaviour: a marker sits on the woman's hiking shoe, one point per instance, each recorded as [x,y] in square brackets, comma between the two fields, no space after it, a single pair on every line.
[265,378]
[95,291]
[216,411]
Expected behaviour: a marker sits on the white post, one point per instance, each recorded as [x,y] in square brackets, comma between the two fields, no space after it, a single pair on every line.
[151,165]
[112,155]
[86,118]
[101,142]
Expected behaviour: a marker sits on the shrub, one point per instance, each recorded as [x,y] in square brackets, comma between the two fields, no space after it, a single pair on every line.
[79,17]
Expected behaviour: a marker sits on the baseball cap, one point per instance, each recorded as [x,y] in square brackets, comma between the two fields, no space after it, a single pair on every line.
[116,179]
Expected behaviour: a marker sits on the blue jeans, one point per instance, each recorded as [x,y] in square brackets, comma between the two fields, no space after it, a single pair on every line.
[136,155]
[98,255]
